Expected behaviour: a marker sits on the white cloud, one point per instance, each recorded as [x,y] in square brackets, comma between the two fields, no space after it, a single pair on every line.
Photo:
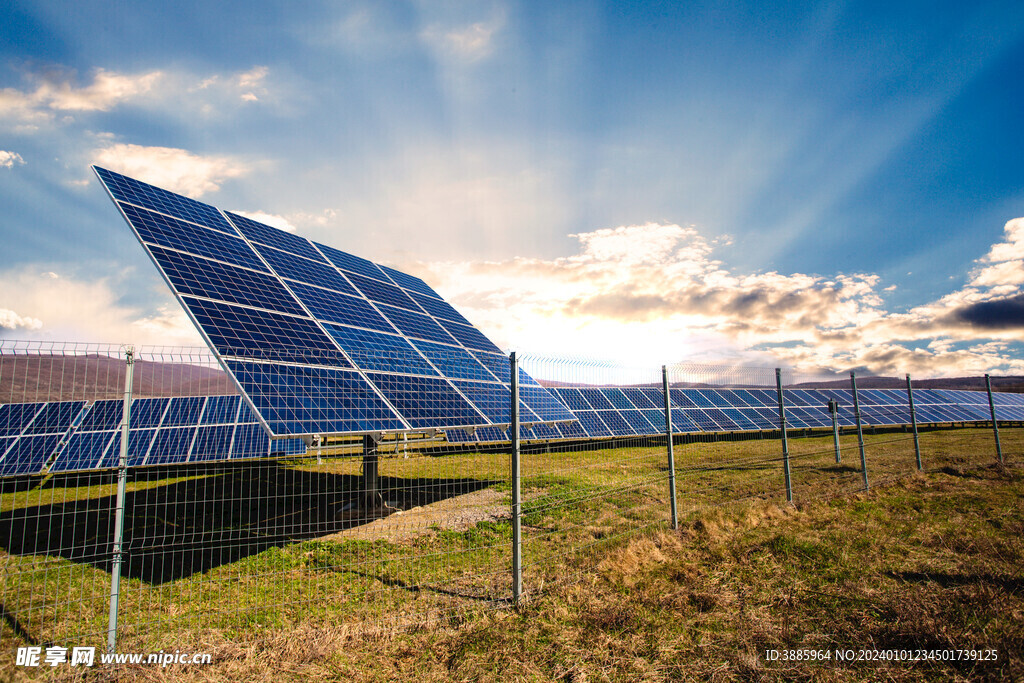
[9,159]
[455,40]
[470,42]
[656,292]
[9,320]
[173,169]
[75,309]
[270,219]
[50,94]
[56,96]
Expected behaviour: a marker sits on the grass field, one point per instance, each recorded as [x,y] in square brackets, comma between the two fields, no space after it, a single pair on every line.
[256,568]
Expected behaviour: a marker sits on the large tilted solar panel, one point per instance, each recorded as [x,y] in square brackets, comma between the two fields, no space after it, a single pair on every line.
[321,341]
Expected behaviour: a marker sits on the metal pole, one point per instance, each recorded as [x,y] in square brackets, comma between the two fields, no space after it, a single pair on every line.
[913,423]
[671,454]
[833,407]
[785,440]
[517,541]
[122,480]
[371,480]
[860,431]
[995,422]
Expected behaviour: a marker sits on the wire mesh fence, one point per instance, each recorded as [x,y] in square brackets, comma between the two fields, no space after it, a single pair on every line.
[200,522]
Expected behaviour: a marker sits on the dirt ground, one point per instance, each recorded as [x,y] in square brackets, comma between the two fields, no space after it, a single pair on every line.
[456,514]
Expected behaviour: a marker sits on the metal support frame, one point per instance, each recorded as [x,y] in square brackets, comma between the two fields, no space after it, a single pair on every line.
[671,453]
[517,540]
[995,422]
[785,439]
[860,431]
[117,551]
[372,499]
[913,423]
[833,409]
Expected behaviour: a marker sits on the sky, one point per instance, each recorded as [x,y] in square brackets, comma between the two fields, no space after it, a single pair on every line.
[822,186]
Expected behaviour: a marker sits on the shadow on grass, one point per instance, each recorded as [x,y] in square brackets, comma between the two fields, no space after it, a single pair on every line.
[175,530]
[945,580]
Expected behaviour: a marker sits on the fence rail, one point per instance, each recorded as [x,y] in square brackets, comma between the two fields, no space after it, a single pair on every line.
[143,504]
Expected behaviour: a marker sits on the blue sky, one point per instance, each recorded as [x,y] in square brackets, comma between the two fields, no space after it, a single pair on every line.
[830,186]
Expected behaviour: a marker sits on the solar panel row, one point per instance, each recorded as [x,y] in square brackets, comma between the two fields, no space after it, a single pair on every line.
[631,411]
[321,341]
[75,436]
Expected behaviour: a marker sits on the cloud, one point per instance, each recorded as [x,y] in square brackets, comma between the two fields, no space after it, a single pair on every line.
[9,159]
[9,320]
[55,96]
[52,93]
[455,40]
[177,170]
[270,219]
[248,86]
[995,314]
[84,309]
[656,292]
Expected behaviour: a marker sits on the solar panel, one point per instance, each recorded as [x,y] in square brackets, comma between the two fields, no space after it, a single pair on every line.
[319,341]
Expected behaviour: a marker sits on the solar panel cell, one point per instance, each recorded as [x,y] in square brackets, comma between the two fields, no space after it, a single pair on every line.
[213,280]
[376,351]
[426,401]
[384,293]
[331,306]
[352,264]
[139,193]
[55,418]
[470,337]
[438,308]
[454,362]
[248,332]
[416,325]
[164,231]
[255,231]
[28,454]
[303,270]
[313,400]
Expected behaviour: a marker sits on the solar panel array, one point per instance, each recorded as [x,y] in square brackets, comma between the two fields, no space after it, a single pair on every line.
[319,340]
[69,436]
[606,412]
[73,435]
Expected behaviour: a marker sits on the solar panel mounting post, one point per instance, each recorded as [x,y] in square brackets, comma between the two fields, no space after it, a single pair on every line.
[833,408]
[122,477]
[785,440]
[860,431]
[372,499]
[913,423]
[995,423]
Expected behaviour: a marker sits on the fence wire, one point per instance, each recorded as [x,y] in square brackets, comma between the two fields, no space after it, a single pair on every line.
[226,532]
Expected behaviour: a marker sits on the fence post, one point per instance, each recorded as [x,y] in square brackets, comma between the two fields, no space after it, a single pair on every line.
[913,422]
[517,541]
[785,440]
[995,423]
[122,478]
[671,453]
[860,431]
